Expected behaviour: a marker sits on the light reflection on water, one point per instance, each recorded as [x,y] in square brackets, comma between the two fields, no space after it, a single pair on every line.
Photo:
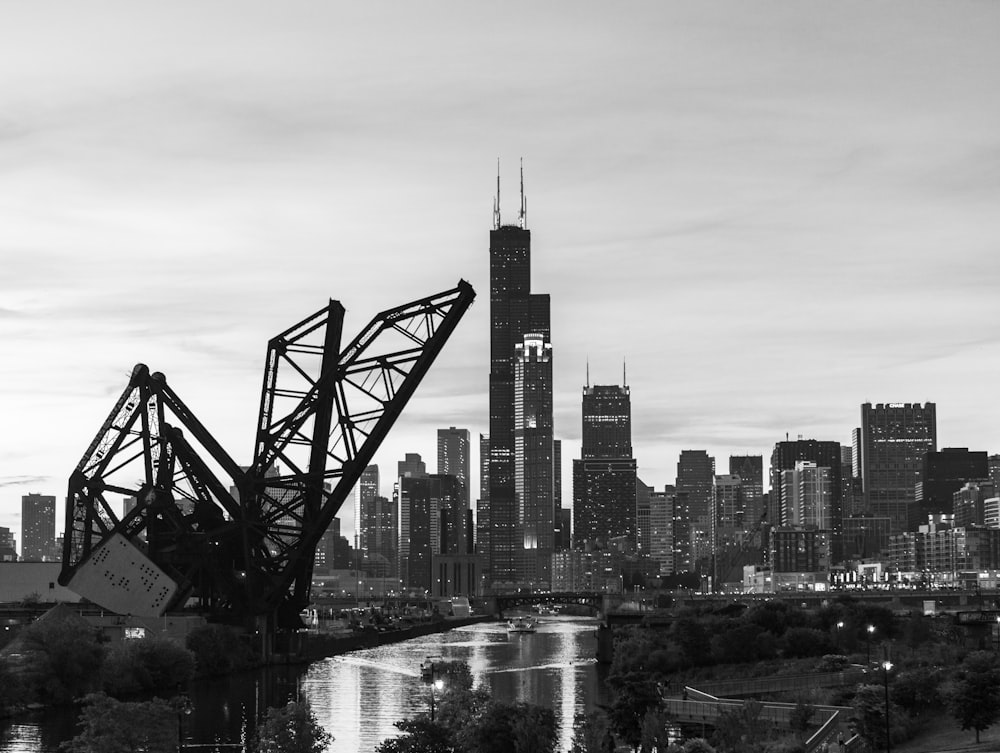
[359,695]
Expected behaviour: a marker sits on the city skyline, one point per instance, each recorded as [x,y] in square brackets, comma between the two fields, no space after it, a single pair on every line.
[714,191]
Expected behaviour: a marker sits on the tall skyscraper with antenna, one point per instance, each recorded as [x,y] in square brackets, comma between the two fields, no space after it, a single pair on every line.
[520,355]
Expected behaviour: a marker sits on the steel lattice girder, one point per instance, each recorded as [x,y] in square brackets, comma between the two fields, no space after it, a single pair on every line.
[245,546]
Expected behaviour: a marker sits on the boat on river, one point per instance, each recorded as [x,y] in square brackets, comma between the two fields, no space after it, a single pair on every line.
[521,625]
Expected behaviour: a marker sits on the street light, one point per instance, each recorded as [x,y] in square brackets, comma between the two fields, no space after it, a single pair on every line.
[182,704]
[427,675]
[868,644]
[840,626]
[887,665]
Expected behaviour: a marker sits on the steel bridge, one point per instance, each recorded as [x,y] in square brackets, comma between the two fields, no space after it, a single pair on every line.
[158,513]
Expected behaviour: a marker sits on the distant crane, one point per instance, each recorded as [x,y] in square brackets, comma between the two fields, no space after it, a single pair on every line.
[158,513]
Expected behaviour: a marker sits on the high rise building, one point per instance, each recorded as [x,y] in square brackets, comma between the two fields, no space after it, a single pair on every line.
[561,535]
[824,454]
[514,312]
[38,528]
[533,463]
[412,467]
[425,525]
[894,439]
[368,491]
[696,480]
[807,492]
[378,526]
[750,469]
[453,457]
[8,547]
[483,503]
[944,472]
[661,529]
[604,481]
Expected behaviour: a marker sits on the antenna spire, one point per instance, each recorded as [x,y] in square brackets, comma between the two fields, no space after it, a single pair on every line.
[624,378]
[496,201]
[522,217]
[588,371]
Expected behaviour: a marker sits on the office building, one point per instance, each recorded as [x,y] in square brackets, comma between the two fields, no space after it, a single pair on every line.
[802,550]
[661,529]
[945,471]
[894,439]
[426,526]
[483,503]
[453,458]
[604,480]
[807,492]
[533,461]
[378,526]
[8,548]
[824,454]
[865,536]
[696,480]
[750,469]
[514,312]
[38,528]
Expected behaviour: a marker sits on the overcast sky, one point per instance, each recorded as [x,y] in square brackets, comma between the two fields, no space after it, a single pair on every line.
[775,211]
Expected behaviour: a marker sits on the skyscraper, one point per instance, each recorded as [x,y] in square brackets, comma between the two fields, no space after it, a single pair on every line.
[514,312]
[533,462]
[38,527]
[945,472]
[604,480]
[824,454]
[424,527]
[750,469]
[895,437]
[696,481]
[378,525]
[483,503]
[453,457]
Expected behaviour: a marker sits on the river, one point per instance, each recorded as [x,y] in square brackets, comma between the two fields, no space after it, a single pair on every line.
[358,696]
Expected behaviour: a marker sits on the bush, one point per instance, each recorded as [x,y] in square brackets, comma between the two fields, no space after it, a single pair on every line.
[110,726]
[149,664]
[63,659]
[218,650]
[801,642]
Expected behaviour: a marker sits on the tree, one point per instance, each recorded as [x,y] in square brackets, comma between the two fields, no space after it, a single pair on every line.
[290,729]
[869,713]
[635,696]
[63,659]
[975,697]
[741,728]
[218,649]
[592,734]
[802,716]
[420,735]
[149,664]
[510,728]
[654,732]
[111,726]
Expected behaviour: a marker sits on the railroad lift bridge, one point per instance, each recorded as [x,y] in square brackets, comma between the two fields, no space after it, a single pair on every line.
[160,516]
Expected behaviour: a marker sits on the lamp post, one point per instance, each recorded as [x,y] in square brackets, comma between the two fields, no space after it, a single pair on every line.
[840,627]
[427,675]
[183,706]
[868,643]
[887,665]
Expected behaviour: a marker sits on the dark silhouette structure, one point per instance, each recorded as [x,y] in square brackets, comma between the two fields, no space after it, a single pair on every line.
[247,556]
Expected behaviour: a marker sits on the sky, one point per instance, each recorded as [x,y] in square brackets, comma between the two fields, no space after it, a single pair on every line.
[771,211]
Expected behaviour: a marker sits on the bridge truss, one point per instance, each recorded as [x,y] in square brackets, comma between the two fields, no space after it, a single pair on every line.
[158,512]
